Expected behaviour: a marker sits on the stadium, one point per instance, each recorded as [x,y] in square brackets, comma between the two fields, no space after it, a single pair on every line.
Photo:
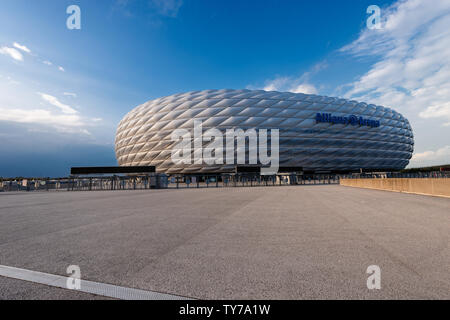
[316,133]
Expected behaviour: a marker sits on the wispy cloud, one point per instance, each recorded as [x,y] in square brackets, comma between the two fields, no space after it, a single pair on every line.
[413,69]
[11,52]
[64,119]
[438,157]
[296,85]
[55,102]
[411,72]
[49,63]
[301,84]
[40,116]
[21,47]
[20,107]
[437,111]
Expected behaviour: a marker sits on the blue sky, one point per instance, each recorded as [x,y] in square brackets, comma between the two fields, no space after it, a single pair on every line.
[63,92]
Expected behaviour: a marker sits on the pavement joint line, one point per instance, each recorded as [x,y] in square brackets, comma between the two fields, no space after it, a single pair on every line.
[97,288]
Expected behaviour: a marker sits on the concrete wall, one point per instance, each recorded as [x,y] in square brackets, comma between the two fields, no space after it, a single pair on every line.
[427,186]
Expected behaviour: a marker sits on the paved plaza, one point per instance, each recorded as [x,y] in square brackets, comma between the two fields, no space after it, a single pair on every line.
[296,242]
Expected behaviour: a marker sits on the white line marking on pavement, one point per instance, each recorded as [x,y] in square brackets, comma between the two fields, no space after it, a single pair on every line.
[97,288]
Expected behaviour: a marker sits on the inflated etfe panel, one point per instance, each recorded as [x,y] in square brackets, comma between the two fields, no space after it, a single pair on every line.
[315,132]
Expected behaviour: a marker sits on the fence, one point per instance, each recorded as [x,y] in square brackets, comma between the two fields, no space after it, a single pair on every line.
[248,180]
[388,175]
[161,181]
[83,184]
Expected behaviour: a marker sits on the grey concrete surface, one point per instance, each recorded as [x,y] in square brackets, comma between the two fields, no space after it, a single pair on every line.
[300,242]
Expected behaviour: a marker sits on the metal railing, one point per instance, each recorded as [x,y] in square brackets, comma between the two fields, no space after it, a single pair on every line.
[247,180]
[162,181]
[379,175]
[80,184]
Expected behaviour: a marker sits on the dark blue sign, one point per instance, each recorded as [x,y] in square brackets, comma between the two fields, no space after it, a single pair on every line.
[352,120]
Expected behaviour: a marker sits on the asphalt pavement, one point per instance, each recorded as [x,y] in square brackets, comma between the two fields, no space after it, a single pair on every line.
[296,242]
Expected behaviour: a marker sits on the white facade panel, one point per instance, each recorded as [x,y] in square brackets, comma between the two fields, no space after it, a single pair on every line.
[144,135]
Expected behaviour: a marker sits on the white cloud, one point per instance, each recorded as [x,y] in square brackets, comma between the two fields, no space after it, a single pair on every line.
[23,105]
[55,102]
[305,88]
[40,116]
[276,84]
[437,111]
[300,84]
[413,70]
[290,84]
[61,69]
[13,53]
[47,62]
[438,157]
[21,47]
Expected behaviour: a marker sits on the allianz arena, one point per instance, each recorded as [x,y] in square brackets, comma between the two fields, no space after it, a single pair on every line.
[316,133]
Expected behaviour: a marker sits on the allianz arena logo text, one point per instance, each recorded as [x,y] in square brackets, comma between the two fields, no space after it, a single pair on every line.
[352,119]
[229,148]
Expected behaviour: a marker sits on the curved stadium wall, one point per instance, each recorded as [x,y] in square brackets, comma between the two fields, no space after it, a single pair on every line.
[317,133]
